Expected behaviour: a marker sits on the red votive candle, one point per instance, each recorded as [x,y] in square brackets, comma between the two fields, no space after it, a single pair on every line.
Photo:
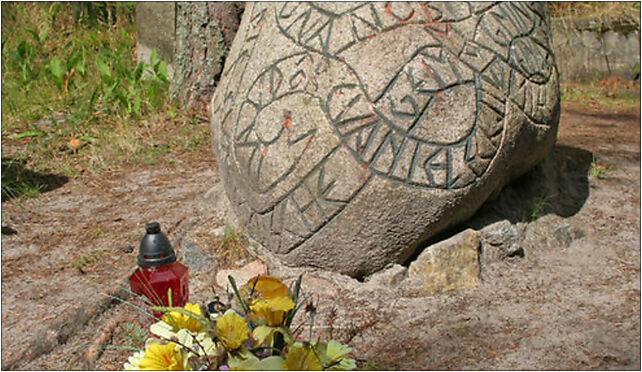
[158,271]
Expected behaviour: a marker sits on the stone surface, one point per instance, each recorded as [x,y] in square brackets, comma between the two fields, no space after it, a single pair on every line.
[155,30]
[348,134]
[242,275]
[389,277]
[449,264]
[194,258]
[587,48]
[500,240]
[551,232]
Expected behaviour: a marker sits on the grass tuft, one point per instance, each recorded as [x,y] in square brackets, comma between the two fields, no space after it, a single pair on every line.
[232,246]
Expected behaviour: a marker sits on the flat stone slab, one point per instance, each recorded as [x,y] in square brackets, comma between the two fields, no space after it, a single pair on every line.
[347,134]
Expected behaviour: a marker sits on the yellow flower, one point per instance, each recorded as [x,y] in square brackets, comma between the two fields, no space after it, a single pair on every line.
[250,362]
[301,357]
[271,311]
[133,362]
[231,329]
[265,287]
[182,321]
[163,357]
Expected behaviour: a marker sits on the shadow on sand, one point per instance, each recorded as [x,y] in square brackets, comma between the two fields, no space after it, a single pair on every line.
[19,181]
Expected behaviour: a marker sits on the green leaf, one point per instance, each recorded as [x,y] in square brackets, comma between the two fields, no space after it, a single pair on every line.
[152,57]
[81,67]
[43,34]
[28,133]
[238,295]
[32,32]
[73,60]
[138,72]
[24,50]
[162,71]
[137,102]
[102,67]
[55,66]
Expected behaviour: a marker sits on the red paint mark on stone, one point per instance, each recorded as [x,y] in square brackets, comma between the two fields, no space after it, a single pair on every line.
[307,144]
[371,35]
[287,123]
[437,99]
[404,21]
[426,66]
[264,152]
[371,119]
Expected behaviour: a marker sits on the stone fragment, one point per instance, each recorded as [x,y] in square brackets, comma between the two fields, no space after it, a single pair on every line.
[242,275]
[500,240]
[347,134]
[449,264]
[566,233]
[551,231]
[193,257]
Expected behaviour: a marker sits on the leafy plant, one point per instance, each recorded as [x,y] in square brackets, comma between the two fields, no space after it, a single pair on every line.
[536,208]
[599,170]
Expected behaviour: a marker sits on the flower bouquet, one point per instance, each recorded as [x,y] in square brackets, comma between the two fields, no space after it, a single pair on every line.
[255,334]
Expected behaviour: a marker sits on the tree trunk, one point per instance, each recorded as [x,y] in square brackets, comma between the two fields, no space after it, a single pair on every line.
[204,33]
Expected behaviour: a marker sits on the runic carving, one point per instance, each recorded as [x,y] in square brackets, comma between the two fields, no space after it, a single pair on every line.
[418,94]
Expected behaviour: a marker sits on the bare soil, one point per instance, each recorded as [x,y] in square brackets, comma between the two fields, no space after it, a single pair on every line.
[575,307]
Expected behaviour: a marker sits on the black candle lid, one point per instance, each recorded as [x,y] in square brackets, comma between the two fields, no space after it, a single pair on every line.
[155,248]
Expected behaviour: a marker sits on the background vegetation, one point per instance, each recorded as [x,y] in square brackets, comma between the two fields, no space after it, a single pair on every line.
[74,99]
[625,11]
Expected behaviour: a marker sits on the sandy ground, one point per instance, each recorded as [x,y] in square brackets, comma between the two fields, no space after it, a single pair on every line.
[574,306]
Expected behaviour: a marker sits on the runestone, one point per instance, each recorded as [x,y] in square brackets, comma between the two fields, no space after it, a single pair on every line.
[349,133]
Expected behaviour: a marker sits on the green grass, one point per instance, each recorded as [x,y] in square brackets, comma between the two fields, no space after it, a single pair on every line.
[536,208]
[74,98]
[606,93]
[85,262]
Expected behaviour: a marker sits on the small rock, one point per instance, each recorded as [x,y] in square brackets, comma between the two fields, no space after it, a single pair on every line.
[551,231]
[449,264]
[242,275]
[500,240]
[127,248]
[194,258]
[565,233]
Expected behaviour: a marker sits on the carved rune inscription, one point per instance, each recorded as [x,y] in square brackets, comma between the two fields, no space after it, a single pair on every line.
[436,120]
